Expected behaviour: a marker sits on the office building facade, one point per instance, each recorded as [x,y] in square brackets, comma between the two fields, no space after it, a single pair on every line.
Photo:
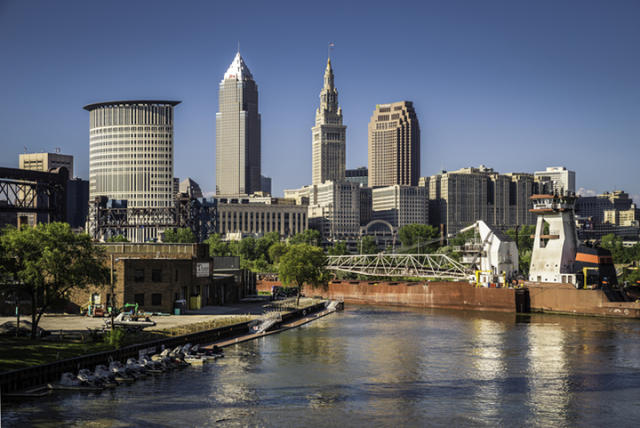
[358,175]
[328,135]
[394,145]
[400,205]
[562,180]
[257,216]
[131,155]
[459,198]
[238,146]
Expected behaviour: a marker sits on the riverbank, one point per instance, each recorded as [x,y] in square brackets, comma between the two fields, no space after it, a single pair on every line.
[41,374]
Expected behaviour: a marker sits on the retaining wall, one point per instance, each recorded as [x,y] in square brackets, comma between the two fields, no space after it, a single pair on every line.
[39,375]
[445,295]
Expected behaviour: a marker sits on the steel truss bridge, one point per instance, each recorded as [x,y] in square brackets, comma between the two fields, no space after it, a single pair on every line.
[399,265]
[25,191]
[198,215]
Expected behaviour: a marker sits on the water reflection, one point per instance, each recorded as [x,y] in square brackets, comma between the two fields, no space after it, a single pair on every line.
[373,366]
[549,392]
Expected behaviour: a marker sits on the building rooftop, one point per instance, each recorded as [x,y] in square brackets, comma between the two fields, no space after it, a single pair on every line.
[90,107]
[238,69]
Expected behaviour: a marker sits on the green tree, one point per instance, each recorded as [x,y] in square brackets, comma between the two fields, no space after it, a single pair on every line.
[217,247]
[117,238]
[367,245]
[309,236]
[525,233]
[417,237]
[276,251]
[181,235]
[302,263]
[48,261]
[339,248]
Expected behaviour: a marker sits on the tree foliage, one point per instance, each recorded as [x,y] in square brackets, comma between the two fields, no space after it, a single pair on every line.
[367,245]
[181,235]
[339,248]
[415,238]
[117,238]
[309,236]
[48,261]
[302,263]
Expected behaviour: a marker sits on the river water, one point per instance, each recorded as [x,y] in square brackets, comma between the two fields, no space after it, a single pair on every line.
[378,366]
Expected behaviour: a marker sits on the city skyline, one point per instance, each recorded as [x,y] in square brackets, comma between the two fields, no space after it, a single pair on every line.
[536,86]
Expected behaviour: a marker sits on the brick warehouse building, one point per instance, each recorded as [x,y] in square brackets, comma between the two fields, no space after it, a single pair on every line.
[157,275]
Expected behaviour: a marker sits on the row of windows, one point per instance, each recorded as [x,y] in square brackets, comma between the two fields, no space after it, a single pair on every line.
[131,115]
[156,299]
[112,129]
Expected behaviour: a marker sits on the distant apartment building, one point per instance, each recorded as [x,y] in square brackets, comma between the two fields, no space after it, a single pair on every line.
[238,146]
[77,202]
[265,184]
[45,162]
[459,198]
[334,208]
[594,207]
[328,135]
[400,205]
[394,145]
[562,179]
[627,217]
[257,216]
[131,155]
[77,189]
[358,175]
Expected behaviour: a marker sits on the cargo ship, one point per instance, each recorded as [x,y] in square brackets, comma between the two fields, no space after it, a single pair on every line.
[565,277]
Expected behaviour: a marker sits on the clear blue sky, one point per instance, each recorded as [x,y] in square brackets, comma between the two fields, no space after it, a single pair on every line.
[513,85]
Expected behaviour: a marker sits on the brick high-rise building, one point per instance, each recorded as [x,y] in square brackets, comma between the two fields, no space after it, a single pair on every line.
[328,135]
[394,145]
[238,154]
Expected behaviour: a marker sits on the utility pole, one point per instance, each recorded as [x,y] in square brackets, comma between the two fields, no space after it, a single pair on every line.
[113,298]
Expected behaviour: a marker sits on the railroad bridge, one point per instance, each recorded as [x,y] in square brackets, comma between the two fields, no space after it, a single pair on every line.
[400,265]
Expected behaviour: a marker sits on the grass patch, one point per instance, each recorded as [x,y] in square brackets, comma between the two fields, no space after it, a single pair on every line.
[21,352]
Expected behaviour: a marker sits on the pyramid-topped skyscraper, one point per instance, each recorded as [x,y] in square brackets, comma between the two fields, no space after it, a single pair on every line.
[328,135]
[238,153]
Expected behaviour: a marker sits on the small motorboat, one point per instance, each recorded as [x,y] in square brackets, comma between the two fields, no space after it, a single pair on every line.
[106,376]
[71,382]
[130,321]
[120,372]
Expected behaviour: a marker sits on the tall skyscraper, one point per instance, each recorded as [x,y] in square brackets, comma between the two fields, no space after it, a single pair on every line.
[238,132]
[394,145]
[328,134]
[131,154]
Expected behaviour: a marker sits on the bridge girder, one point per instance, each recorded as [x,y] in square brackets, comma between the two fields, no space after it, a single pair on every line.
[398,265]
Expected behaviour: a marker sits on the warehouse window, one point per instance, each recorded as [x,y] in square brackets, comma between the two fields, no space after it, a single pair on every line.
[156,299]
[139,299]
[156,275]
[138,275]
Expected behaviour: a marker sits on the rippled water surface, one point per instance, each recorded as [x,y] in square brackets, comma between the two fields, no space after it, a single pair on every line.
[374,366]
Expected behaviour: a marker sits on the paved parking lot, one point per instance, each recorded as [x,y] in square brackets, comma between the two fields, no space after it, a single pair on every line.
[207,313]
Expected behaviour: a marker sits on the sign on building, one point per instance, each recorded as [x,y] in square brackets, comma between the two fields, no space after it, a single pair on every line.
[202,270]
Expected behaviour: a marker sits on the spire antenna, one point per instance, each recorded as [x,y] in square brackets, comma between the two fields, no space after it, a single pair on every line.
[238,46]
[329,48]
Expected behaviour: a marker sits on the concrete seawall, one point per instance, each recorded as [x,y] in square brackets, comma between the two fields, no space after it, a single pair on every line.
[443,295]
